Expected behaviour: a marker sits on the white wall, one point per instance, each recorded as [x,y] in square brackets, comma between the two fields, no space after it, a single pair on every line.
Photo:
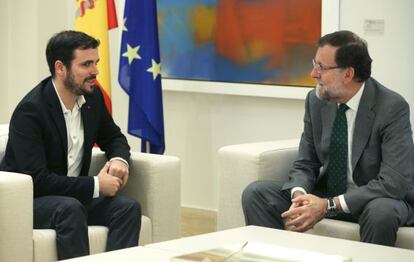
[25,28]
[4,72]
[197,124]
[23,54]
[392,53]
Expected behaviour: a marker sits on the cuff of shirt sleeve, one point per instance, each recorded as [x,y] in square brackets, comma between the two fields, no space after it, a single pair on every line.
[121,159]
[344,206]
[297,189]
[96,187]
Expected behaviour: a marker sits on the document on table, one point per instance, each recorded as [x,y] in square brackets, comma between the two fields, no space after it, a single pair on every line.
[258,252]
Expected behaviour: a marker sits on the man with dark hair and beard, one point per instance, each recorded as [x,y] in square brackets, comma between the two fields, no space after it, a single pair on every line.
[356,153]
[52,132]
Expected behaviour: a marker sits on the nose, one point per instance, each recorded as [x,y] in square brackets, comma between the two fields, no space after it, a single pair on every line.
[314,73]
[95,70]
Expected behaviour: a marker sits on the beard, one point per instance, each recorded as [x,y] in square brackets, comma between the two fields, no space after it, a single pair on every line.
[332,93]
[323,93]
[78,88]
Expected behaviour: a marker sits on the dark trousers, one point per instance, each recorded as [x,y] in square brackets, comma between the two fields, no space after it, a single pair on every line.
[70,219]
[264,201]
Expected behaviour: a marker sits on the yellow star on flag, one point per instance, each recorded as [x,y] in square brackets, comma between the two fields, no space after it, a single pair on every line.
[132,53]
[154,69]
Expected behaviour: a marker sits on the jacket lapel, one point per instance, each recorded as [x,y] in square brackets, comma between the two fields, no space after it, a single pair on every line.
[56,111]
[88,121]
[363,122]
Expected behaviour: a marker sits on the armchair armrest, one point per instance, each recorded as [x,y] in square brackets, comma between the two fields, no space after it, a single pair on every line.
[239,165]
[16,217]
[155,182]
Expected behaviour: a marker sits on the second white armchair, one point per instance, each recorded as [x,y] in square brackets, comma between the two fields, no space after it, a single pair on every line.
[239,165]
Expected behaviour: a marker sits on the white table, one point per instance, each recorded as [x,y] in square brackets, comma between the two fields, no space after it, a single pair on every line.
[358,251]
[163,251]
[133,254]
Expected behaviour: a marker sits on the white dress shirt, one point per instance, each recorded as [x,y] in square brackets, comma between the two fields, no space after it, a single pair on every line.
[75,136]
[351,113]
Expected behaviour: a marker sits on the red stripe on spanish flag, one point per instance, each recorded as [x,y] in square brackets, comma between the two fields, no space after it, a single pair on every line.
[112,19]
[96,17]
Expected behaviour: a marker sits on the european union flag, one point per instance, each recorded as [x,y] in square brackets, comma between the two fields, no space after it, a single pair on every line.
[139,74]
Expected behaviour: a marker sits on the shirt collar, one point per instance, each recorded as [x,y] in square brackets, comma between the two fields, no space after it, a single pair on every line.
[79,101]
[353,103]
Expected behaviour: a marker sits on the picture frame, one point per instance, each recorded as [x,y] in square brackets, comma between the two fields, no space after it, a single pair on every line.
[329,23]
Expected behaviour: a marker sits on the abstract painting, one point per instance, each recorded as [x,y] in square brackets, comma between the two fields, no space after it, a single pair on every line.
[252,41]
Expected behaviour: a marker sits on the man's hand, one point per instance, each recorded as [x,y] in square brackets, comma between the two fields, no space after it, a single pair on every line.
[305,212]
[294,205]
[297,193]
[119,169]
[108,185]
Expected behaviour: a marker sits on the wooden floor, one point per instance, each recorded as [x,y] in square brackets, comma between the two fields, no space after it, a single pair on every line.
[197,221]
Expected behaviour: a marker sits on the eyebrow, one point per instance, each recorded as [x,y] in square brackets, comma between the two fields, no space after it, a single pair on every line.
[89,61]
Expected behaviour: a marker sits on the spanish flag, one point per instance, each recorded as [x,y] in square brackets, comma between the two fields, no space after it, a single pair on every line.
[96,18]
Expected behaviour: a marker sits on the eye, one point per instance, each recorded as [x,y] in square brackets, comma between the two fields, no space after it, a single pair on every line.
[89,63]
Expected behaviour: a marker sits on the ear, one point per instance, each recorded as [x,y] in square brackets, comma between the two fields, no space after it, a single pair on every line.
[60,68]
[349,75]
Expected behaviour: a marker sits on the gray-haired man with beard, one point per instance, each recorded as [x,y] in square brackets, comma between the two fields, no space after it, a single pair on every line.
[52,132]
[356,152]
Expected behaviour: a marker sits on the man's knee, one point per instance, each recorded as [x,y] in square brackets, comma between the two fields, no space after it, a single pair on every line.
[379,221]
[263,192]
[70,213]
[251,192]
[135,208]
[130,206]
[263,202]
[381,212]
[70,206]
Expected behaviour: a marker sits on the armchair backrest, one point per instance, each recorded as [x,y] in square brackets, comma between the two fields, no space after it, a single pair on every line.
[4,136]
[16,208]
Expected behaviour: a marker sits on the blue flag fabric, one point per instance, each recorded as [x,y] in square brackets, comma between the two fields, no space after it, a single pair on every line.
[139,74]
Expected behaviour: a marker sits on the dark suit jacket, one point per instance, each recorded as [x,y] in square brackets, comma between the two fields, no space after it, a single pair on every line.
[37,142]
[382,147]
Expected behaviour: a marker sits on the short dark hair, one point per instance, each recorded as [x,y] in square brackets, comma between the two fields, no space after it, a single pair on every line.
[63,44]
[352,52]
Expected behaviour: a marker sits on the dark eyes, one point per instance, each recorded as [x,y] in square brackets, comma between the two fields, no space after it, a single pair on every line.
[89,63]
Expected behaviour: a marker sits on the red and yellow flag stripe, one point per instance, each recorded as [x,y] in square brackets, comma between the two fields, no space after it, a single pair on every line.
[96,18]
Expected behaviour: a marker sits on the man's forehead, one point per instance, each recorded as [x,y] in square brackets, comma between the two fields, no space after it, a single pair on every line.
[326,52]
[86,54]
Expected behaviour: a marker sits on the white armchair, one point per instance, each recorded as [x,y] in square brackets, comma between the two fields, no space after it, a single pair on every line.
[239,165]
[154,181]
